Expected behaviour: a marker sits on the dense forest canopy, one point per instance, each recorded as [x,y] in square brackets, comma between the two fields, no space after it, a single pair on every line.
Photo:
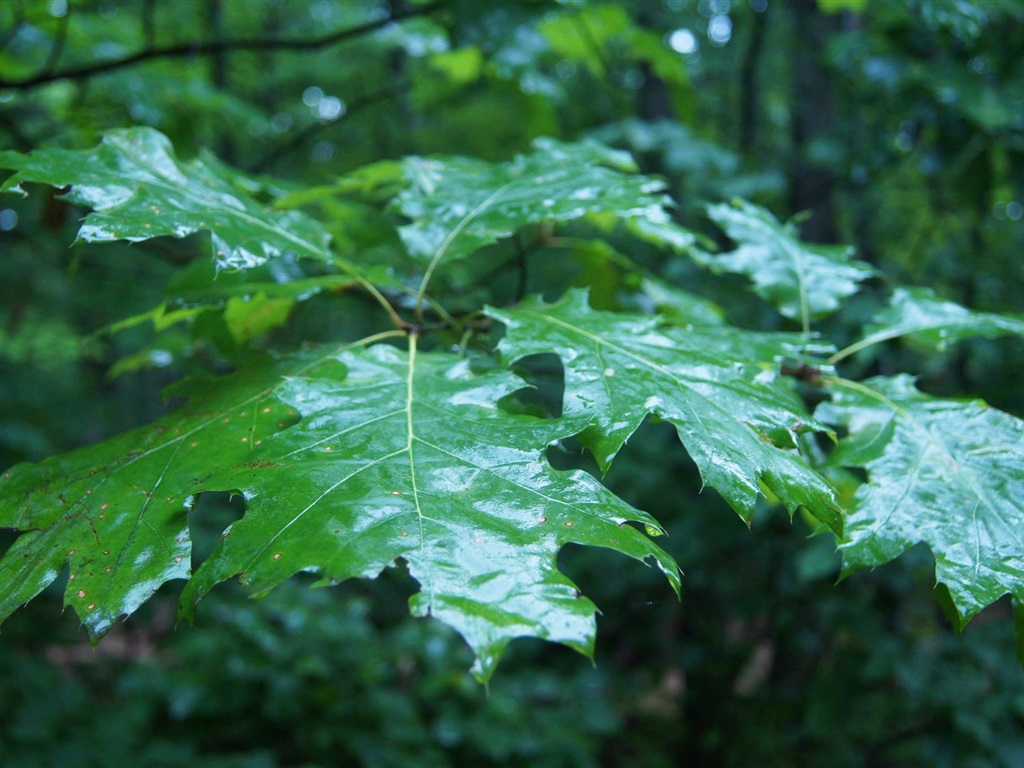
[622,265]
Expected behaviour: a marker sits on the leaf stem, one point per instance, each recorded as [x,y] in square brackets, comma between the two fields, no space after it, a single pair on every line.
[875,338]
[400,324]
[456,231]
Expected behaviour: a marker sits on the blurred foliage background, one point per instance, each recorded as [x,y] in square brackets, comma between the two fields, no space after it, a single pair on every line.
[897,126]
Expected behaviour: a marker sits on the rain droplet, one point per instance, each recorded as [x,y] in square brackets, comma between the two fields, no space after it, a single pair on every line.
[569,523]
[651,530]
[81,593]
[609,371]
[277,555]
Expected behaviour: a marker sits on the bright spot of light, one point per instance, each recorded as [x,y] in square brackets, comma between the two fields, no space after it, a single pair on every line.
[59,8]
[8,219]
[759,6]
[330,108]
[1014,211]
[720,29]
[683,41]
[312,96]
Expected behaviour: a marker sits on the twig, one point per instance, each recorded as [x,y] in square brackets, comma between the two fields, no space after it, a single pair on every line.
[214,47]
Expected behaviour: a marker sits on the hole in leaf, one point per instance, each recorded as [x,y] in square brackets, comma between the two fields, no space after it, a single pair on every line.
[212,514]
[542,397]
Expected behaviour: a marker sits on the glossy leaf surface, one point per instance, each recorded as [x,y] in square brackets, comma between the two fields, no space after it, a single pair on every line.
[394,455]
[115,514]
[138,189]
[931,322]
[947,473]
[802,281]
[459,205]
[717,384]
[407,455]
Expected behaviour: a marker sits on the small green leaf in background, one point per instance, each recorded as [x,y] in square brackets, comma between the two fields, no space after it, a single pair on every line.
[715,383]
[250,316]
[948,473]
[802,281]
[138,189]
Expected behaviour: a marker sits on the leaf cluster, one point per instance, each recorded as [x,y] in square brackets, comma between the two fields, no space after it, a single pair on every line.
[414,438]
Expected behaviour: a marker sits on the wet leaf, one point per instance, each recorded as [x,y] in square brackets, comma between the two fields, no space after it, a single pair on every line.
[717,384]
[138,189]
[115,513]
[948,473]
[458,205]
[394,455]
[931,322]
[802,281]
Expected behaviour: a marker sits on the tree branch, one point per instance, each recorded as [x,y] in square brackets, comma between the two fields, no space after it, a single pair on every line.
[214,47]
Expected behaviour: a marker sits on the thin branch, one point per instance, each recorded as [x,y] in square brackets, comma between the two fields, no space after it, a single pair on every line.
[214,47]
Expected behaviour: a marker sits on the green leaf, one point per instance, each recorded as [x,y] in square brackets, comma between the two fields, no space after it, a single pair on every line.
[395,455]
[947,473]
[250,316]
[678,306]
[932,323]
[801,281]
[115,513]
[459,205]
[717,384]
[407,456]
[138,190]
